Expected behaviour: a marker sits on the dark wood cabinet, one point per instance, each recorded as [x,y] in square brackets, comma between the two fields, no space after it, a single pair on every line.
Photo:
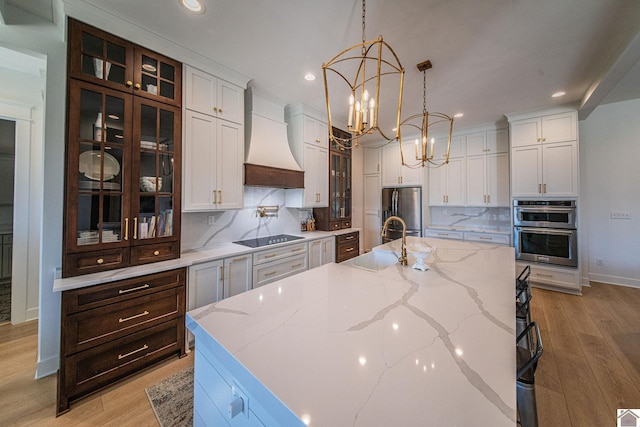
[123,154]
[347,246]
[338,215]
[110,331]
[107,60]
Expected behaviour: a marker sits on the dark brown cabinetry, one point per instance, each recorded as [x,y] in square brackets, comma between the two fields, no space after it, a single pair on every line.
[347,246]
[338,215]
[110,331]
[123,166]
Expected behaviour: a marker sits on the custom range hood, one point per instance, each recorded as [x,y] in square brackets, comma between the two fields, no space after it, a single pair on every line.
[269,161]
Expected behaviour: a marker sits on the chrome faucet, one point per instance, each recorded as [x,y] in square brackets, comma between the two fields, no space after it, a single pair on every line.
[403,257]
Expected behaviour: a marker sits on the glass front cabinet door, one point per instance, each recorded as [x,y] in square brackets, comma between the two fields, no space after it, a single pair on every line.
[123,166]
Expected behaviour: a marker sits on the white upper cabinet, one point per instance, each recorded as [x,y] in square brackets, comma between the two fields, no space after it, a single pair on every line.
[490,142]
[394,174]
[309,142]
[213,154]
[447,184]
[488,180]
[372,161]
[209,95]
[544,156]
[545,129]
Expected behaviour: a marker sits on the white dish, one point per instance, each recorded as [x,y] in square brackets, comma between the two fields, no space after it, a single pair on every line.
[420,253]
[89,165]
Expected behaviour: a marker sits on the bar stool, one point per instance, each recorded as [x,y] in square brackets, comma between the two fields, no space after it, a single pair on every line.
[527,362]
[523,301]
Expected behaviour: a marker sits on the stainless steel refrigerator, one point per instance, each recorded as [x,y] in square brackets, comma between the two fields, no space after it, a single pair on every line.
[405,202]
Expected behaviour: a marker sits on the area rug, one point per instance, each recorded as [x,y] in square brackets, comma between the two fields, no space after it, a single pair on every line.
[172,399]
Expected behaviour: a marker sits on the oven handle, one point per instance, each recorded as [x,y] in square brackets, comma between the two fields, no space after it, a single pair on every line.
[546,231]
[545,209]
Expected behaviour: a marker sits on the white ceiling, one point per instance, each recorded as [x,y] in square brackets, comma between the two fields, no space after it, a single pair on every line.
[489,57]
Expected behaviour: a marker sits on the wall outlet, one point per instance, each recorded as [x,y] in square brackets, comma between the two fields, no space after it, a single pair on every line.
[211,219]
[599,261]
[620,215]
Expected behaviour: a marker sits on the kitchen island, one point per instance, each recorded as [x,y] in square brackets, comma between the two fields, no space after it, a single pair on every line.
[342,345]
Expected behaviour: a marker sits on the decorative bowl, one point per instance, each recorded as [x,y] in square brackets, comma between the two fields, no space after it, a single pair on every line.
[148,184]
[420,253]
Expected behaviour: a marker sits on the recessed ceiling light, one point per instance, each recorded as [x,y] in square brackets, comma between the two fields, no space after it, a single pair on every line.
[310,77]
[558,94]
[193,6]
[458,115]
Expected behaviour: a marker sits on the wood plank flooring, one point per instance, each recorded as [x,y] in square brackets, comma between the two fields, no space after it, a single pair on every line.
[590,368]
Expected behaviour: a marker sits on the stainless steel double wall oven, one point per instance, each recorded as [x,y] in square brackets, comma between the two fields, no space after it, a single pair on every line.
[545,231]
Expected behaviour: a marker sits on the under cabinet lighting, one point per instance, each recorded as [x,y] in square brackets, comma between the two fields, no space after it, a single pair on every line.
[193,6]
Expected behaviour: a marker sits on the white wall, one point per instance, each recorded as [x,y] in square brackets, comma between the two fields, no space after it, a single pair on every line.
[610,181]
[39,36]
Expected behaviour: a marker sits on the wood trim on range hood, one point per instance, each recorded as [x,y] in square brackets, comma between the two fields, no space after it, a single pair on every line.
[267,176]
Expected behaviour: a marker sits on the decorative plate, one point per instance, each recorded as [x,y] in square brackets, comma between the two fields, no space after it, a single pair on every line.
[89,165]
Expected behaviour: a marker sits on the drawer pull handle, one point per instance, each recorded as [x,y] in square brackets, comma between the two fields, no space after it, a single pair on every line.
[135,316]
[137,288]
[296,265]
[122,356]
[239,259]
[297,249]
[270,255]
[544,275]
[100,261]
[349,249]
[349,237]
[485,238]
[270,273]
[156,253]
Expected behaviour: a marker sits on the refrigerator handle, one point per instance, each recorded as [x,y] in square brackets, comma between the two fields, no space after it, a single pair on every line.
[395,202]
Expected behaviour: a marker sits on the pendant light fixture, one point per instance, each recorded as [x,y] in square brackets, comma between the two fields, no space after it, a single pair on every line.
[362,67]
[425,147]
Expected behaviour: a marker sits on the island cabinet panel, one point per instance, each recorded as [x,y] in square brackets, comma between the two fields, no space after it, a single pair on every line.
[110,331]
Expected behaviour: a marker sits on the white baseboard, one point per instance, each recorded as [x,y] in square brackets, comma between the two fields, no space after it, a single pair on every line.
[47,367]
[615,280]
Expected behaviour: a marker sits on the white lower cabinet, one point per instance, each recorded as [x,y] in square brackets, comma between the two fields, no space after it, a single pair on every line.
[204,284]
[321,252]
[443,234]
[547,276]
[238,275]
[495,238]
[274,264]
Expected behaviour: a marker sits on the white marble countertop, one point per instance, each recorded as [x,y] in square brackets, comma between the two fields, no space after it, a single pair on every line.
[342,346]
[191,257]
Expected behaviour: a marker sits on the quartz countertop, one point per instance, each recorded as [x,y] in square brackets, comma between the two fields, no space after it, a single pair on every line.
[475,229]
[187,258]
[339,345]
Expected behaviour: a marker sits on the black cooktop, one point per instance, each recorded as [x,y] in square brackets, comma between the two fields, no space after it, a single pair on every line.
[269,240]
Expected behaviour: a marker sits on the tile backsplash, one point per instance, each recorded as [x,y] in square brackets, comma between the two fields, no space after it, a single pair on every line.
[492,217]
[204,229]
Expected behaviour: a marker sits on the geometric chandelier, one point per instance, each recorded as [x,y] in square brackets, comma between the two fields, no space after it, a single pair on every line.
[358,72]
[424,148]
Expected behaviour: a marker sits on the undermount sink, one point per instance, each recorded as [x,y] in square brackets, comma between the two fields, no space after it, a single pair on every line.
[373,261]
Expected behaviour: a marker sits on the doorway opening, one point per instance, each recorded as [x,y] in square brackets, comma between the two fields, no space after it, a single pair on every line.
[7,171]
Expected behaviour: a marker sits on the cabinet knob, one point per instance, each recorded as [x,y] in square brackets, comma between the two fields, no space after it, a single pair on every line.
[129,83]
[100,261]
[215,109]
[156,253]
[220,110]
[138,86]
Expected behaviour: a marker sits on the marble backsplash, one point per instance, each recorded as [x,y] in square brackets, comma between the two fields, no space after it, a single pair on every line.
[205,229]
[491,217]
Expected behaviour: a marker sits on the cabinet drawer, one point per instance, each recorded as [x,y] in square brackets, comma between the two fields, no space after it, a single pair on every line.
[92,369]
[94,262]
[100,295]
[272,271]
[496,238]
[347,238]
[152,253]
[554,276]
[444,234]
[279,253]
[94,327]
[348,251]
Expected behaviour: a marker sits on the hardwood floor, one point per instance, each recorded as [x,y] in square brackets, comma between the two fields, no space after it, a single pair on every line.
[590,368]
[591,361]
[28,402]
